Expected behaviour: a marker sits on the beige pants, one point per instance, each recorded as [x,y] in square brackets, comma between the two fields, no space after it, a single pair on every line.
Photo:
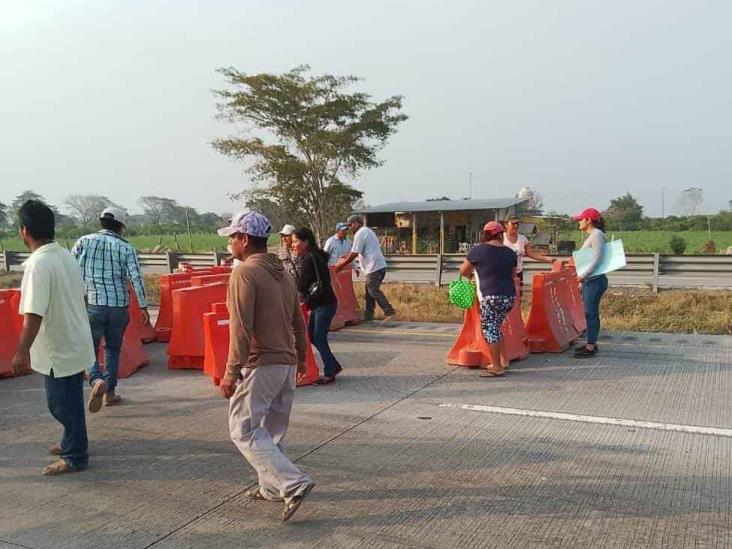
[259,413]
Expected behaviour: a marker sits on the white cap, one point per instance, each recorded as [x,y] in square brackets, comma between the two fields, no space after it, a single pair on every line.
[115,214]
[287,230]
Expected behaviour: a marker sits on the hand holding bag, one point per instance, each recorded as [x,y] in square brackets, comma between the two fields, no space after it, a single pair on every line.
[462,293]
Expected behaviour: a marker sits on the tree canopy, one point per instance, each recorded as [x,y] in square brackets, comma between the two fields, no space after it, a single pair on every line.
[624,212]
[305,138]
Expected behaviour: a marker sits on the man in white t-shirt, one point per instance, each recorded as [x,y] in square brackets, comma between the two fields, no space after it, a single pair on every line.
[521,246]
[373,264]
[56,338]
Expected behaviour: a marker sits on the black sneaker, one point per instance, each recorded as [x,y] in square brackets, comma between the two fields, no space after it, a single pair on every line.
[584,352]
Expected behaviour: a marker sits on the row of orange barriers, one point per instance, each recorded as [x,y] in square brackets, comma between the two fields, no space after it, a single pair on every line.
[194,318]
[556,319]
[216,346]
[132,355]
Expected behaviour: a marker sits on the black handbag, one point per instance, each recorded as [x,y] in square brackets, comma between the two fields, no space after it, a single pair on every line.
[316,289]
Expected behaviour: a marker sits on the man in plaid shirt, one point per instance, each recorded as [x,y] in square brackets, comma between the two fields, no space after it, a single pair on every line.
[108,264]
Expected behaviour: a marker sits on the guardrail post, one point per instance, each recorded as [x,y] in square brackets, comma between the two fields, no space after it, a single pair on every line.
[218,256]
[656,271]
[172,259]
[438,278]
[6,260]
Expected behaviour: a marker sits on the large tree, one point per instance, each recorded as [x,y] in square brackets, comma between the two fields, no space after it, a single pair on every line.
[159,210]
[305,138]
[87,207]
[625,212]
[4,220]
[689,200]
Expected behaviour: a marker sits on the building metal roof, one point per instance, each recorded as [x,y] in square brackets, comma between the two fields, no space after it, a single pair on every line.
[444,205]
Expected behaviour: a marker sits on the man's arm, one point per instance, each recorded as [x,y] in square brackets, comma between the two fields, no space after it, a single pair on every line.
[240,301]
[31,326]
[345,260]
[77,249]
[537,255]
[135,275]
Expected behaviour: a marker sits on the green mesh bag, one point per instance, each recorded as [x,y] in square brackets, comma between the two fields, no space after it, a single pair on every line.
[462,293]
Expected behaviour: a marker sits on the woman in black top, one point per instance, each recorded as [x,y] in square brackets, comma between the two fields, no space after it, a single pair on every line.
[314,286]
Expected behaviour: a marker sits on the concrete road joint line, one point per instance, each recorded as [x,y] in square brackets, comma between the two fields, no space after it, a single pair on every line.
[15,544]
[690,429]
[301,457]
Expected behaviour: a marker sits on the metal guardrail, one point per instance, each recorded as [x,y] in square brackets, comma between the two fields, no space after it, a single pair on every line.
[653,270]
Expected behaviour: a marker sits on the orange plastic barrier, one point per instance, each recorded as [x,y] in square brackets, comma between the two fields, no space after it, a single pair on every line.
[147,332]
[312,374]
[216,341]
[216,334]
[11,326]
[186,348]
[578,306]
[203,280]
[471,348]
[347,312]
[132,356]
[552,325]
[168,283]
[176,281]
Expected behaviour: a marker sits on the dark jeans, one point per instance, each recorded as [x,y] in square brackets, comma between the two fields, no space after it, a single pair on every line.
[592,292]
[320,319]
[65,398]
[374,295]
[108,323]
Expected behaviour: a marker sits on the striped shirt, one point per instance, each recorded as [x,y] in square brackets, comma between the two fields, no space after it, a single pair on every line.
[108,264]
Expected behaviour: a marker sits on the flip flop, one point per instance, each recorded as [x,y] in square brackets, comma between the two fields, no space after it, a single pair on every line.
[57,468]
[488,373]
[293,504]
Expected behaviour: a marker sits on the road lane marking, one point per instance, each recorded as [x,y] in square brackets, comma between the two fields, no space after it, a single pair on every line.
[618,422]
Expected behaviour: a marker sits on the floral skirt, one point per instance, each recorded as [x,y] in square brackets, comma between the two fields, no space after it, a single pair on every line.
[493,311]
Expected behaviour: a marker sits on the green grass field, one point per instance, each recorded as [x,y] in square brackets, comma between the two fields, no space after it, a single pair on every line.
[202,242]
[638,242]
[648,242]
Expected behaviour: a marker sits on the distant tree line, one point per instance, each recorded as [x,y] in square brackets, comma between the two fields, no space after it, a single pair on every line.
[160,215]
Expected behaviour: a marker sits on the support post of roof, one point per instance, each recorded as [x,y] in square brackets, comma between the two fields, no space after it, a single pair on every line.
[442,233]
[414,234]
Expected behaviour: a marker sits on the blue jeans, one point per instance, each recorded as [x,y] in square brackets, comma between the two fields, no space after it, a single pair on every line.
[65,398]
[320,319]
[109,323]
[592,292]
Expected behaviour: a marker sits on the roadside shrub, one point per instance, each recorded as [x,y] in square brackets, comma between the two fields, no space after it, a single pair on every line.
[710,248]
[677,245]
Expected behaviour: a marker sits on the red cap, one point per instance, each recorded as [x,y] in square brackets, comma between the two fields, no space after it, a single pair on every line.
[493,228]
[588,213]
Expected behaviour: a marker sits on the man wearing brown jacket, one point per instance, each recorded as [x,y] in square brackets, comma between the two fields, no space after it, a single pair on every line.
[267,347]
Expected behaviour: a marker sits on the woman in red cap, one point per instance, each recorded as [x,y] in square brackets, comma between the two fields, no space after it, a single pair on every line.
[495,268]
[593,286]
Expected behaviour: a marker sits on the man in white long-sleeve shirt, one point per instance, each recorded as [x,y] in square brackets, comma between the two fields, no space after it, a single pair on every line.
[593,286]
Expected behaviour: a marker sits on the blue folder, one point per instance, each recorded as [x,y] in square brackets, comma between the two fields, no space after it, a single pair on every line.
[613,259]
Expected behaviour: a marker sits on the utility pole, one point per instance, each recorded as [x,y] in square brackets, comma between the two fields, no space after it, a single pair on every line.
[663,202]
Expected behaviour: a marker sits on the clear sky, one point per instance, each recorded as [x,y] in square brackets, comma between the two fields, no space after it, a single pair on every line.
[581,100]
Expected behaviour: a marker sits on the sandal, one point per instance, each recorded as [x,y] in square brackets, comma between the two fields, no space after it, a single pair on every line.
[57,468]
[325,380]
[491,373]
[254,493]
[293,504]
